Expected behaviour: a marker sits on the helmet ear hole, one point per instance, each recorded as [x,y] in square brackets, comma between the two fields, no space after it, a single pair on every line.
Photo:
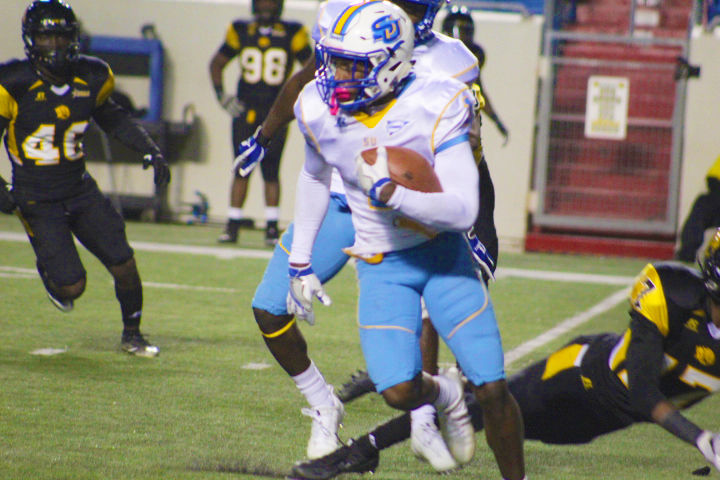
[709,263]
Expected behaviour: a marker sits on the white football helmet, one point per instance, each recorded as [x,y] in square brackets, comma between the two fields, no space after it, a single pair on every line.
[374,41]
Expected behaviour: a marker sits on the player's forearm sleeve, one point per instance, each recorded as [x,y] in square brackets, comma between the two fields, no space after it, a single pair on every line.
[117,122]
[312,197]
[681,427]
[644,364]
[456,207]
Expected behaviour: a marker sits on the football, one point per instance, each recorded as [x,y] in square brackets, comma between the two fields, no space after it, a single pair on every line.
[407,168]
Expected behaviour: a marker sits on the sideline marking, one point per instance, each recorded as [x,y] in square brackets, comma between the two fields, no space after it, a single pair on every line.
[219,252]
[231,253]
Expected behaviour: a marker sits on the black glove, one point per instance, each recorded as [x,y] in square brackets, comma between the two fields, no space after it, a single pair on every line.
[7,202]
[160,165]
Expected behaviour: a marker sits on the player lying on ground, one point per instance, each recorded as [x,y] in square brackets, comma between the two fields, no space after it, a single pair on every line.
[598,384]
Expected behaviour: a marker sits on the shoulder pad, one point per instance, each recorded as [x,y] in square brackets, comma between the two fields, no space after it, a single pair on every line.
[16,76]
[449,56]
[662,286]
[683,285]
[92,65]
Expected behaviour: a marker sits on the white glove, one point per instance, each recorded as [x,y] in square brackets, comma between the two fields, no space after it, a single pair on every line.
[709,445]
[304,286]
[232,105]
[371,178]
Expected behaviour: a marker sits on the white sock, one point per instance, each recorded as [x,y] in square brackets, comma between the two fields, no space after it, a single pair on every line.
[423,414]
[235,213]
[447,392]
[313,386]
[272,213]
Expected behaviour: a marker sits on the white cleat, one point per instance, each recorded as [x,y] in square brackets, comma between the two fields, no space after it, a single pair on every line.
[456,426]
[325,423]
[427,444]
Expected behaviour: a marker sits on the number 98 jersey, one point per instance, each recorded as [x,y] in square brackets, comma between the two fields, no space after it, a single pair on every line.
[267,55]
[45,125]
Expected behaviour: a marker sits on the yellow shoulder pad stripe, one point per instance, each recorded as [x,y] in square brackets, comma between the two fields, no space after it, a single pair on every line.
[232,38]
[715,169]
[8,105]
[300,40]
[106,89]
[648,298]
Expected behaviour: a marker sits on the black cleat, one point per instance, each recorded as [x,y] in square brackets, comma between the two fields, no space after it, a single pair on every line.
[135,344]
[272,234]
[358,385]
[347,459]
[226,237]
[230,235]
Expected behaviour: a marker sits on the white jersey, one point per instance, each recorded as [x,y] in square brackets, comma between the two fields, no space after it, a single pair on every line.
[428,124]
[443,55]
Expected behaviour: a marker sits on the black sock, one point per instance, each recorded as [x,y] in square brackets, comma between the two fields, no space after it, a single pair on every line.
[131,301]
[232,227]
[390,433]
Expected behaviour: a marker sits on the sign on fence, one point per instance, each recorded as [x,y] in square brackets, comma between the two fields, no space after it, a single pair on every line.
[606,111]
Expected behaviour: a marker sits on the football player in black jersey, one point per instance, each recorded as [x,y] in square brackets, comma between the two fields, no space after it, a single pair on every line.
[667,360]
[267,49]
[46,102]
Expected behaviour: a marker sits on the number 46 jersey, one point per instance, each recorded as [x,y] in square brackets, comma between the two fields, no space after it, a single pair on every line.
[45,124]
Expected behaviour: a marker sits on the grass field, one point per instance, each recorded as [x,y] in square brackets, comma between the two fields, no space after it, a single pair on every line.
[214,405]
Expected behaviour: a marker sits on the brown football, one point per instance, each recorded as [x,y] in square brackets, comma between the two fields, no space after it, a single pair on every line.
[407,168]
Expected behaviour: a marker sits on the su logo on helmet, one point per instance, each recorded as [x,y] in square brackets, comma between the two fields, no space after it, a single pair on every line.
[386,29]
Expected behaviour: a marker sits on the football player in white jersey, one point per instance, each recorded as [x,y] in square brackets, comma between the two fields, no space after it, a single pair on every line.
[409,244]
[282,336]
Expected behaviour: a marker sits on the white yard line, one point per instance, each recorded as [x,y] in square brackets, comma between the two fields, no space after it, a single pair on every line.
[219,252]
[565,326]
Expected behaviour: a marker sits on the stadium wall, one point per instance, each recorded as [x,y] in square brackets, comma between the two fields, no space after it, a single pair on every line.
[192,30]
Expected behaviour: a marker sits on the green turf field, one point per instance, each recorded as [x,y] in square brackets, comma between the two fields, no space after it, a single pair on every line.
[214,405]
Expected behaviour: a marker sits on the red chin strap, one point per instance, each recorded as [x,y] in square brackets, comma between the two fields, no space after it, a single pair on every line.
[340,94]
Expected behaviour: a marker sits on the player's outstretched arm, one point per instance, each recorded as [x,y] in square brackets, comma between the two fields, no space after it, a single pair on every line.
[118,122]
[252,150]
[644,362]
[281,113]
[488,109]
[230,103]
